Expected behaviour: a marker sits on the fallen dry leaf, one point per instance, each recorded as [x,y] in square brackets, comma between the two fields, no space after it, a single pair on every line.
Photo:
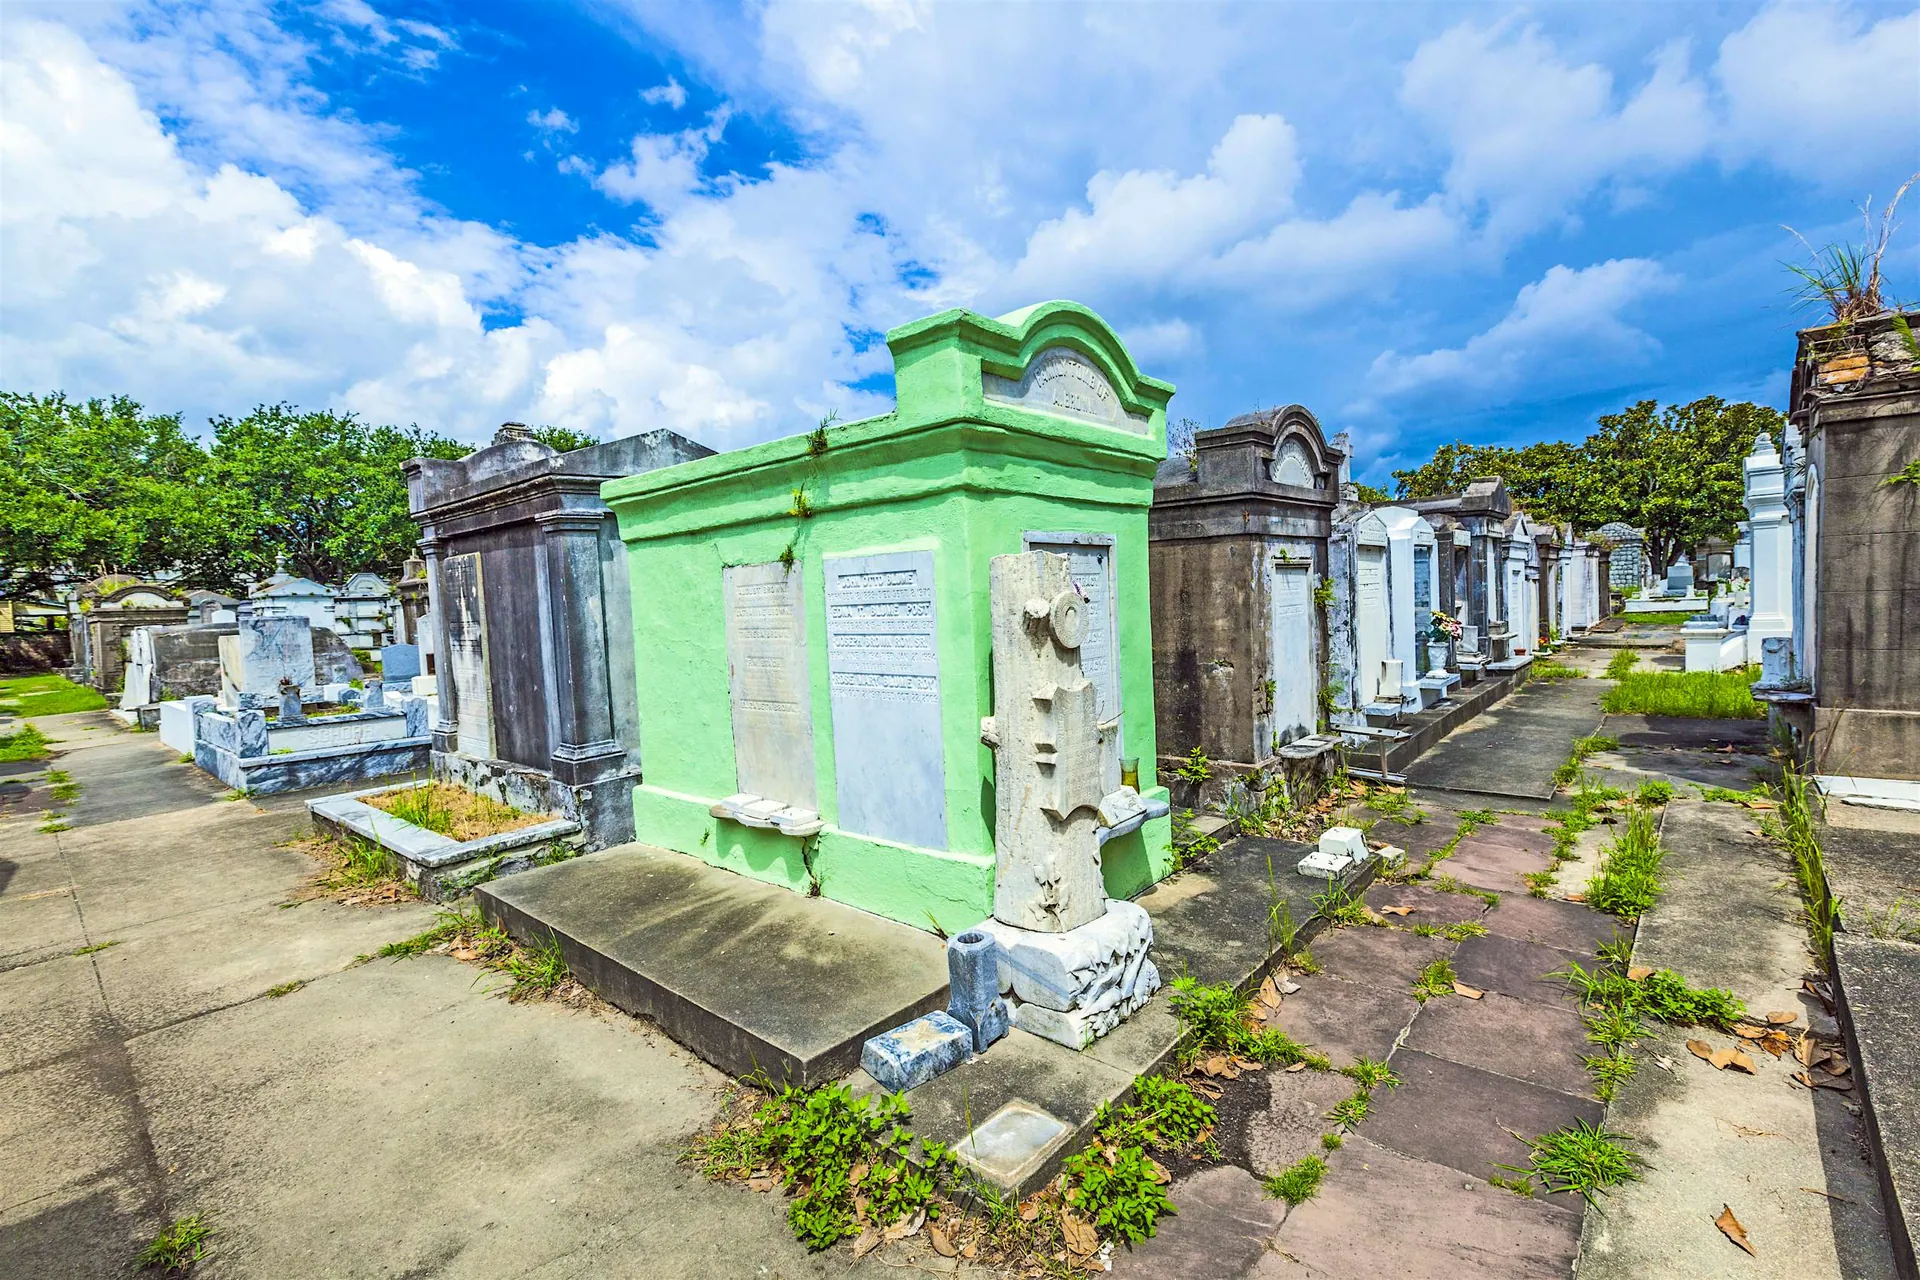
[1029,1211]
[1804,1050]
[1700,1049]
[1471,993]
[1731,1228]
[1740,1062]
[1396,910]
[1838,1065]
[1206,1090]
[908,1225]
[1215,1066]
[1160,1174]
[869,1240]
[763,1184]
[1775,1043]
[1636,973]
[857,1175]
[1782,1017]
[1298,1066]
[1081,1238]
[1248,1064]
[1803,1078]
[1749,1033]
[941,1245]
[1576,897]
[1269,994]
[970,1251]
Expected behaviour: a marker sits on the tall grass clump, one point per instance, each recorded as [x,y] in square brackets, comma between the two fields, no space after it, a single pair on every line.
[1629,875]
[1791,827]
[1702,695]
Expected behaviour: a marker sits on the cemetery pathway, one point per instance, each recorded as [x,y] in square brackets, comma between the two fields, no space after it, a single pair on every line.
[377,1119]
[1510,750]
[1408,1192]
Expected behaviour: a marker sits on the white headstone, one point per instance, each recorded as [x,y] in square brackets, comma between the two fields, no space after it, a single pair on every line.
[1295,706]
[883,672]
[463,596]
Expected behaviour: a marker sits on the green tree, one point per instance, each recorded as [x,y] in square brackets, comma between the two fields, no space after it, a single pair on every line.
[323,490]
[92,488]
[564,440]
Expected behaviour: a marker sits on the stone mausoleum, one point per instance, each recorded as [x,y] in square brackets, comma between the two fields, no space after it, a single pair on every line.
[832,591]
[1239,556]
[532,623]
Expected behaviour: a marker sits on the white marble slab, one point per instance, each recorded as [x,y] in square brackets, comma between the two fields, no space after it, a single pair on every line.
[463,595]
[883,671]
[770,689]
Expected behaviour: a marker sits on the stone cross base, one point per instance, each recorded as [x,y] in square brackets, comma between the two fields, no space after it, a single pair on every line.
[1076,986]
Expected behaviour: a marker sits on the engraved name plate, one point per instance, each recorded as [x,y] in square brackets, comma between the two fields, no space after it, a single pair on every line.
[883,664]
[1061,380]
[464,598]
[767,674]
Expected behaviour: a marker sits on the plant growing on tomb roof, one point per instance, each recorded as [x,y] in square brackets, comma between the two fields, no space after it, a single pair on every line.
[1845,278]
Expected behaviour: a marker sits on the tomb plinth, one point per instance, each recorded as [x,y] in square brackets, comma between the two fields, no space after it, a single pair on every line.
[527,623]
[1239,555]
[816,660]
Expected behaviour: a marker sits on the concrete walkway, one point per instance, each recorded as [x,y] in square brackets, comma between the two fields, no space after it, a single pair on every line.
[1511,750]
[385,1119]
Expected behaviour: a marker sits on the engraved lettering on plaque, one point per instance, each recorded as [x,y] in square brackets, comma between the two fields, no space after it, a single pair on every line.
[767,672]
[883,669]
[1061,380]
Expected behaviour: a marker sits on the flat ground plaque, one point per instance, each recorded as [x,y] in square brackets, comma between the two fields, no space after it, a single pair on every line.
[771,694]
[883,664]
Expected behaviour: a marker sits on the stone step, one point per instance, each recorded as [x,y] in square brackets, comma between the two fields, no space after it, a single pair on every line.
[751,976]
[1876,985]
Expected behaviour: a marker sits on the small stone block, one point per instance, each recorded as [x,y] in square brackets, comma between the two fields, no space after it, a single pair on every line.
[1348,841]
[1010,1140]
[1075,1028]
[908,1056]
[973,972]
[1392,857]
[1320,865]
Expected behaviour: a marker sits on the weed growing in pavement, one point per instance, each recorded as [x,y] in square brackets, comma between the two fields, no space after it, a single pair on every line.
[1724,795]
[1458,931]
[1392,802]
[1338,907]
[1654,791]
[98,946]
[58,822]
[1628,878]
[1351,1110]
[1369,1074]
[1791,827]
[285,989]
[536,969]
[1189,843]
[1582,1158]
[1332,1141]
[184,760]
[1711,695]
[447,926]
[64,788]
[1303,961]
[1609,1072]
[1622,663]
[1165,1114]
[1660,994]
[24,743]
[1436,979]
[1216,1018]
[178,1247]
[1540,882]
[1548,669]
[1298,1183]
[1447,884]
[1898,922]
[1591,745]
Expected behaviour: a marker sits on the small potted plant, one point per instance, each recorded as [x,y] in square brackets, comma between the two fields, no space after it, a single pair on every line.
[1442,632]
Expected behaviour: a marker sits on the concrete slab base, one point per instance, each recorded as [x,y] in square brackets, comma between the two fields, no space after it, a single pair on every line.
[751,976]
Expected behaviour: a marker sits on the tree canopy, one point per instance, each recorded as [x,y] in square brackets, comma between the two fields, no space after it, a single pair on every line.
[105,487]
[1674,472]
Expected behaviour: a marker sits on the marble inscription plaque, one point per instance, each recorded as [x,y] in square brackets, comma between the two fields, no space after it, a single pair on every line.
[1294,670]
[464,598]
[771,693]
[884,685]
[1061,380]
[1090,566]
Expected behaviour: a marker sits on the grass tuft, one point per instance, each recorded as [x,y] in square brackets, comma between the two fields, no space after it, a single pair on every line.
[1622,664]
[1629,876]
[1436,979]
[96,947]
[24,743]
[1709,695]
[1582,1158]
[178,1247]
[1299,1182]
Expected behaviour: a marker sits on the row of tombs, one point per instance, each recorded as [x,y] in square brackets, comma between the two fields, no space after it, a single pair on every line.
[939,664]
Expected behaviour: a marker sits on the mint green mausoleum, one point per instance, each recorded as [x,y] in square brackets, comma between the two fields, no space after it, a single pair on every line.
[830,590]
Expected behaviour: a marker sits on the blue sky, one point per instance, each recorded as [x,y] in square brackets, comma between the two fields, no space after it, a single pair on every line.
[1425,222]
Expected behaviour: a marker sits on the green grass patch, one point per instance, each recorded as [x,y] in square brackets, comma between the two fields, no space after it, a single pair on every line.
[47,696]
[1436,979]
[1654,791]
[1548,669]
[57,823]
[1332,1141]
[178,1247]
[1621,664]
[1582,1158]
[98,946]
[1661,618]
[285,989]
[24,743]
[1448,884]
[1703,695]
[1299,1182]
[1791,826]
[1628,879]
[1215,1018]
[1591,745]
[1458,931]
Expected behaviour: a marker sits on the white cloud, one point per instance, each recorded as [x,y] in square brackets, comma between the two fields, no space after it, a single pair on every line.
[1567,324]
[665,168]
[1529,134]
[1816,91]
[553,120]
[672,94]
